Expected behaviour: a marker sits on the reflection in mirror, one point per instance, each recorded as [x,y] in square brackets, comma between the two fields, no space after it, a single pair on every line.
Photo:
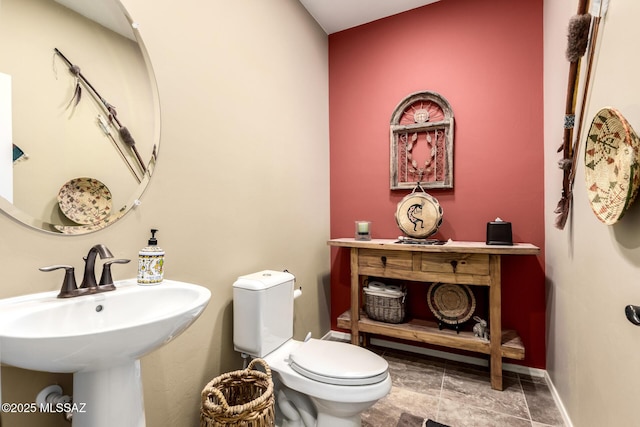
[78,112]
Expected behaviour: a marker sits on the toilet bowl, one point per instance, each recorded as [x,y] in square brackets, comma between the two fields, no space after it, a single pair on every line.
[318,383]
[340,380]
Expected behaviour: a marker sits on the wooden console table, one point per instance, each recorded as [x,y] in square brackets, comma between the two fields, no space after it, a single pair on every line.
[470,263]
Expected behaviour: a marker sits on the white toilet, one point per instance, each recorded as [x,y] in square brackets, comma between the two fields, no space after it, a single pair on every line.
[318,383]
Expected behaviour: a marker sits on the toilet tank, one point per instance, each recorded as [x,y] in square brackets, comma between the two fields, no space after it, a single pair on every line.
[262,311]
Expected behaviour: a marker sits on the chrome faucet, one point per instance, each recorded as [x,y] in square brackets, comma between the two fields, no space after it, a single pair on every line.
[89,278]
[89,285]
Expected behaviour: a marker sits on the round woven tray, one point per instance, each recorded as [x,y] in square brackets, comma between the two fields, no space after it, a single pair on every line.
[451,303]
[239,399]
[611,165]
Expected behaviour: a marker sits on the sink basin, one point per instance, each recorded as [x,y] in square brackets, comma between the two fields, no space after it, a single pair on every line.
[45,333]
[100,339]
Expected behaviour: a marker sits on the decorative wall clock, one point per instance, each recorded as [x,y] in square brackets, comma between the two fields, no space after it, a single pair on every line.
[421,137]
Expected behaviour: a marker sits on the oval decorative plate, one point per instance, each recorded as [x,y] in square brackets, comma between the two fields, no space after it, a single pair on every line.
[85,200]
[451,303]
[419,215]
[611,165]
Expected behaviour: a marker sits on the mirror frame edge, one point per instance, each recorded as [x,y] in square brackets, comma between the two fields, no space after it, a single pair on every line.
[8,209]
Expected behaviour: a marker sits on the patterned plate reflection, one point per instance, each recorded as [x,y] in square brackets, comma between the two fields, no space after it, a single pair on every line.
[85,200]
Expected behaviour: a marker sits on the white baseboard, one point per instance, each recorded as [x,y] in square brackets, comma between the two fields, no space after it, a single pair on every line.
[519,369]
[337,336]
[556,398]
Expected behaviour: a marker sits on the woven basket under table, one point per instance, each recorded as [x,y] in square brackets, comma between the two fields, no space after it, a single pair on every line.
[239,399]
[388,309]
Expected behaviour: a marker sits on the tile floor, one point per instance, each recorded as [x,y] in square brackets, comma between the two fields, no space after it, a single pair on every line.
[459,395]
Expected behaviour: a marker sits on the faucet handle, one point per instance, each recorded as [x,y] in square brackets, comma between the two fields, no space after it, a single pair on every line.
[69,281]
[105,278]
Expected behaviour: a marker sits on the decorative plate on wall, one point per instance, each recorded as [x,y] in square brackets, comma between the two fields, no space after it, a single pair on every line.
[451,303]
[419,215]
[85,200]
[611,165]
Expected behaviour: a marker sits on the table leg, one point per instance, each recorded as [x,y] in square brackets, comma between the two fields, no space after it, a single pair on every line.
[355,298]
[495,323]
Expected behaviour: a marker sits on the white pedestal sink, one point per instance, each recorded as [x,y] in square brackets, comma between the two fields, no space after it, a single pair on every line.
[100,339]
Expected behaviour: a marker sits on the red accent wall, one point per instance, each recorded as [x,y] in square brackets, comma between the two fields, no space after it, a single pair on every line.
[485,58]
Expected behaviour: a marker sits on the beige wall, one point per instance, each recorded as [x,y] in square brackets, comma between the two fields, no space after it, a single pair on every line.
[242,184]
[592,269]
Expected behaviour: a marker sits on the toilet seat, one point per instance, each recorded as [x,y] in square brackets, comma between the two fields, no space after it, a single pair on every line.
[338,363]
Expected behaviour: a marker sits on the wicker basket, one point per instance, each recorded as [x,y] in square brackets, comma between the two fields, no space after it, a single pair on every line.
[239,399]
[383,304]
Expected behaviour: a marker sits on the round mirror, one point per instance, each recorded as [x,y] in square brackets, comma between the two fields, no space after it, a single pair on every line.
[79,114]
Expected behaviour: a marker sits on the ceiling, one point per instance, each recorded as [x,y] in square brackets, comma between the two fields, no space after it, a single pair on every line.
[109,14]
[332,15]
[338,15]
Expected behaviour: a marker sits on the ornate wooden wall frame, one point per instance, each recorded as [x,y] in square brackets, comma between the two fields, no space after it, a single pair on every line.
[422,120]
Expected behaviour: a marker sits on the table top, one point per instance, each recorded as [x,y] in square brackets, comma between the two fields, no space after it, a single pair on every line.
[448,246]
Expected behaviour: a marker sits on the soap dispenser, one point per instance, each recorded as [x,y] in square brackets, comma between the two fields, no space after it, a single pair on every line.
[151,262]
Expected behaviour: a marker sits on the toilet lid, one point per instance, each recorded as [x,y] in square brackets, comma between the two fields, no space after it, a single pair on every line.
[338,363]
